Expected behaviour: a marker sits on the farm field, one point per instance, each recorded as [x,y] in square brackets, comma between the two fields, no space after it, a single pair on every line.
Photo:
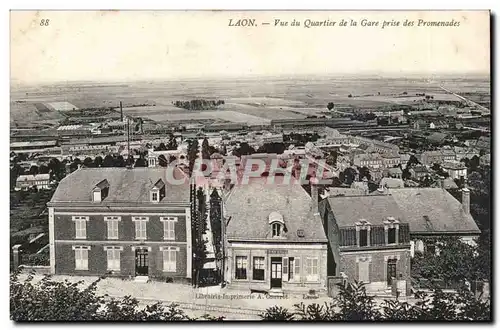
[253,100]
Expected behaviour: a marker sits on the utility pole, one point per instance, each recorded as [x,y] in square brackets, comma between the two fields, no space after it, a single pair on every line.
[128,137]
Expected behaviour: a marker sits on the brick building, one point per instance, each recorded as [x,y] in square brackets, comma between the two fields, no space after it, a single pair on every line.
[369,241]
[275,239]
[122,221]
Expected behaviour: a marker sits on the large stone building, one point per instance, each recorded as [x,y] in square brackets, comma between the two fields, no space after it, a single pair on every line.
[275,239]
[122,221]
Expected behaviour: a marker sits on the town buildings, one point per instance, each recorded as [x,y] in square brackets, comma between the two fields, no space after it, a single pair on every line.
[275,238]
[122,222]
[40,181]
[455,170]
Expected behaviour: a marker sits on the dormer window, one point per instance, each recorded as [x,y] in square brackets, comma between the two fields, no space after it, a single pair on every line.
[363,228]
[157,191]
[100,191]
[277,224]
[276,229]
[391,227]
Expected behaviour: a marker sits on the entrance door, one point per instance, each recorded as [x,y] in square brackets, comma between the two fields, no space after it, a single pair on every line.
[391,270]
[276,272]
[141,262]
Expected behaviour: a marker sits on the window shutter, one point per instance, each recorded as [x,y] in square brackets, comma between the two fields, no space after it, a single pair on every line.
[285,269]
[297,269]
[364,271]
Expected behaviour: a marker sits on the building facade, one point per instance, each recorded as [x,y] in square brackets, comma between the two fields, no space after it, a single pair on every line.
[121,222]
[40,181]
[275,241]
[369,242]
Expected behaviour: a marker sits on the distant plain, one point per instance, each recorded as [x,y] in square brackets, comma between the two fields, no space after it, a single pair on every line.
[252,101]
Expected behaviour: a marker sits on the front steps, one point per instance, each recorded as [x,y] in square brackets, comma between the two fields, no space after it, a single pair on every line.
[141,279]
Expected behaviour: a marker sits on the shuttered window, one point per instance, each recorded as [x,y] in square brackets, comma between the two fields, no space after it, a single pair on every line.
[364,271]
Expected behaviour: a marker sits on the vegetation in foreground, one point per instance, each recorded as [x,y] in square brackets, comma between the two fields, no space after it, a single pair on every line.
[49,300]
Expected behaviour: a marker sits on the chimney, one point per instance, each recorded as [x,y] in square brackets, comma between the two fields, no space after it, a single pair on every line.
[121,111]
[466,200]
[314,195]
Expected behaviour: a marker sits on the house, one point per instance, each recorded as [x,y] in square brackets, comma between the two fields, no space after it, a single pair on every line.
[391,183]
[127,222]
[437,156]
[369,241]
[434,212]
[371,160]
[40,181]
[419,172]
[455,170]
[391,159]
[178,155]
[275,239]
[394,172]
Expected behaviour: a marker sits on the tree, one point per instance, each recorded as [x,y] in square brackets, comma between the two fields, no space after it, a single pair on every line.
[455,262]
[364,172]
[162,161]
[108,161]
[205,152]
[43,169]
[56,168]
[161,147]
[141,162]
[33,170]
[172,144]
[119,161]
[49,300]
[354,304]
[88,162]
[98,161]
[330,106]
[412,161]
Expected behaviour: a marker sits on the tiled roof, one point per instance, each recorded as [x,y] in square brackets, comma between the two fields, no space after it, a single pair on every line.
[250,205]
[373,208]
[443,210]
[125,185]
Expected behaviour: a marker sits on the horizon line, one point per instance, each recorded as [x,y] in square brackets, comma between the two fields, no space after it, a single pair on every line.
[412,75]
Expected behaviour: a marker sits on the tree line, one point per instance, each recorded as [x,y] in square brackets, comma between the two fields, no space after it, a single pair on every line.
[198,104]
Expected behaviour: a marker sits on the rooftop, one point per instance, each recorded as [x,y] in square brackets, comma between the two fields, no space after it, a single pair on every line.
[251,205]
[125,185]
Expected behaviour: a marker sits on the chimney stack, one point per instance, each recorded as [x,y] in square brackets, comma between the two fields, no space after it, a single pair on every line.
[466,200]
[121,111]
[314,195]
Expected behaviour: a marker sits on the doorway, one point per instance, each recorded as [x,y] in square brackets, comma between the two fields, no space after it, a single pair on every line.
[391,270]
[276,273]
[141,262]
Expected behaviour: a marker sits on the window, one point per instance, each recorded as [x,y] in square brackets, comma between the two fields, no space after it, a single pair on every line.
[81,257]
[391,236]
[154,196]
[258,268]
[113,254]
[170,260]
[140,227]
[80,227]
[312,269]
[169,227]
[363,237]
[276,229]
[112,223]
[241,268]
[364,271]
[294,269]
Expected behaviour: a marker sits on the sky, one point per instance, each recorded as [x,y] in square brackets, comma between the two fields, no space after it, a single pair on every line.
[142,45]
